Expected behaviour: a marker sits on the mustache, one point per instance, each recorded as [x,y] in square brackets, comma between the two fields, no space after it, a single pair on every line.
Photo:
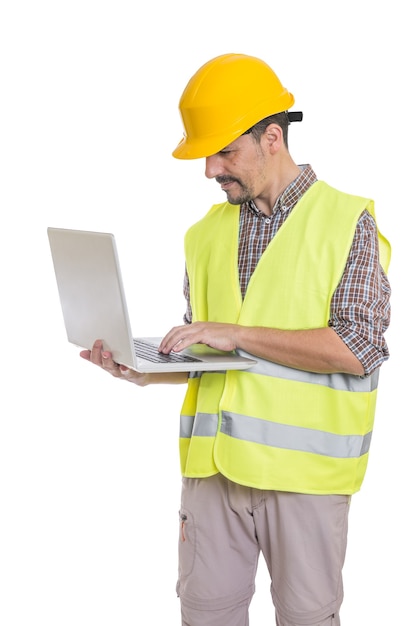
[226,179]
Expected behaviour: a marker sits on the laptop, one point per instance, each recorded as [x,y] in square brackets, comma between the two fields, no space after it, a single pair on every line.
[94,307]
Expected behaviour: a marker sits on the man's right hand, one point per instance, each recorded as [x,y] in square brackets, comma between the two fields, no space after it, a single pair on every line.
[103,358]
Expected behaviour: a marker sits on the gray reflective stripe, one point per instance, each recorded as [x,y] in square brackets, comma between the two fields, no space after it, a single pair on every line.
[195,374]
[186,425]
[294,437]
[341,382]
[202,425]
[200,373]
[276,435]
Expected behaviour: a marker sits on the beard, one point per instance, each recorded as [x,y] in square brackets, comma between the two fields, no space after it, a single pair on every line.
[239,196]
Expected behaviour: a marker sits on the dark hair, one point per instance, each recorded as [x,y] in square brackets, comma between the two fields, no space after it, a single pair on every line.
[278,118]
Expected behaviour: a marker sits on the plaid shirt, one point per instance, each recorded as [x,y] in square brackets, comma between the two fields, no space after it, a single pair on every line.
[360,307]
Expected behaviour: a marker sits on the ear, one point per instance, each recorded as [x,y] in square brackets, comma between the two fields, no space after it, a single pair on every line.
[273,138]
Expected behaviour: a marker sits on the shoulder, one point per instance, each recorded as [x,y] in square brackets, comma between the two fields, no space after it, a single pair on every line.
[324,190]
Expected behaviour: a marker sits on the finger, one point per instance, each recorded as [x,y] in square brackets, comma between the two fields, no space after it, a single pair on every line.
[178,338]
[96,352]
[187,335]
[109,365]
[169,340]
[131,375]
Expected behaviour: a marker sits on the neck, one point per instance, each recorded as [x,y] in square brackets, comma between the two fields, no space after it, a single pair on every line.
[279,182]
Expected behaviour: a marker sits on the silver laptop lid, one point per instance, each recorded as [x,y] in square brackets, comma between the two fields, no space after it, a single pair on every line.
[94,305]
[92,296]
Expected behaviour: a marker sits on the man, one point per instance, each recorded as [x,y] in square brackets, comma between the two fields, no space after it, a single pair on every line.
[291,271]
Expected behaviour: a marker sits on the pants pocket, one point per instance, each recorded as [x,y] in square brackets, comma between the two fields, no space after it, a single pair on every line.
[186,544]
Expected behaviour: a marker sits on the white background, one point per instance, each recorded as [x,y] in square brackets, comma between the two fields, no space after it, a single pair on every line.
[89,476]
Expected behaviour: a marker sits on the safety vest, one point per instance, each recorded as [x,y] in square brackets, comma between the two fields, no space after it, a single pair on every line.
[275,427]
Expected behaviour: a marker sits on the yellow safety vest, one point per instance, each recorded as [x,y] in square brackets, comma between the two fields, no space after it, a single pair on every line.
[274,427]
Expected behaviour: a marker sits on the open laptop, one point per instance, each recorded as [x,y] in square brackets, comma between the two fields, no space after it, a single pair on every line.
[94,307]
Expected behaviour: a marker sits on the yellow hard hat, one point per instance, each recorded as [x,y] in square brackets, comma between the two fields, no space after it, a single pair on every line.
[224,98]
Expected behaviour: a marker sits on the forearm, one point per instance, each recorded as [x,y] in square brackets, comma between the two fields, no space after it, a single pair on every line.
[173,378]
[317,350]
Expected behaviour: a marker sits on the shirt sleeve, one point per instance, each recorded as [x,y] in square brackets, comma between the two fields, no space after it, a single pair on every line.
[188,315]
[360,308]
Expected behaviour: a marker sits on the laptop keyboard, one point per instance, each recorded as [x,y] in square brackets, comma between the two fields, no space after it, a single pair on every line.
[150,353]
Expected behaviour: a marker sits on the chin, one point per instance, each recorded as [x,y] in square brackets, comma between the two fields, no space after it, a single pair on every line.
[234,200]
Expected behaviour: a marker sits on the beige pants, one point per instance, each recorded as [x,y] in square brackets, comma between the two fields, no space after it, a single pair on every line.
[224,527]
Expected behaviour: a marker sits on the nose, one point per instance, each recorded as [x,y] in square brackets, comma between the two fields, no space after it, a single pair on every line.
[213,166]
